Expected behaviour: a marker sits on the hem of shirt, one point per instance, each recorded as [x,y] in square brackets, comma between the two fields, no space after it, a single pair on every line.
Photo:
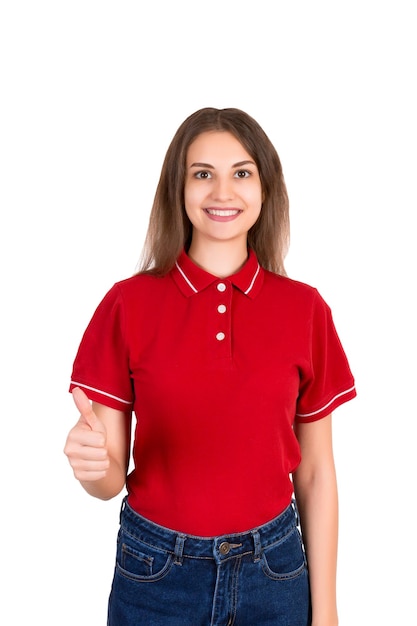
[196,532]
[329,408]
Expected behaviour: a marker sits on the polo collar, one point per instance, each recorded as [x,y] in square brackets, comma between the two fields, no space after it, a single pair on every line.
[191,279]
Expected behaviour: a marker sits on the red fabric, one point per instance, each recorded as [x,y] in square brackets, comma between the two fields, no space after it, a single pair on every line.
[214,443]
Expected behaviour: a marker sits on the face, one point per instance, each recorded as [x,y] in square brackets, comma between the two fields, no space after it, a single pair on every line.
[223,193]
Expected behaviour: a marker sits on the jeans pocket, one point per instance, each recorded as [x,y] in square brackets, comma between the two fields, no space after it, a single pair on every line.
[140,561]
[284,559]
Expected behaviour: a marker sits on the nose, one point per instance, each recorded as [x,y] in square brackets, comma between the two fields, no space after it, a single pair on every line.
[222,189]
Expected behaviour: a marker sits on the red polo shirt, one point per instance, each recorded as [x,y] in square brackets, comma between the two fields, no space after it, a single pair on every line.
[216,371]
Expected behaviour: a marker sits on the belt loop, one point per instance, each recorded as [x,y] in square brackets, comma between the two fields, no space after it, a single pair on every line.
[257,545]
[122,508]
[179,547]
[296,513]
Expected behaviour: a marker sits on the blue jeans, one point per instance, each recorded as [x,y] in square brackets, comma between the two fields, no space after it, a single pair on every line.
[165,578]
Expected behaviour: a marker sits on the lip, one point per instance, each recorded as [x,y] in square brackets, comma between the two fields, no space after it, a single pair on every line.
[222,215]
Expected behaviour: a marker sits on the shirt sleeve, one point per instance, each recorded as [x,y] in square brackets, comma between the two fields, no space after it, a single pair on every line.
[101,366]
[326,381]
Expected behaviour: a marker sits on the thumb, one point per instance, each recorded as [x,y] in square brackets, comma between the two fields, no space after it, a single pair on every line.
[83,404]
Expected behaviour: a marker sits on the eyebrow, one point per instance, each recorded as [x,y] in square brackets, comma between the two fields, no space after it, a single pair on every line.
[211,167]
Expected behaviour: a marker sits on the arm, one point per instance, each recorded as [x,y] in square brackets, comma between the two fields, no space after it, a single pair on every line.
[315,489]
[98,447]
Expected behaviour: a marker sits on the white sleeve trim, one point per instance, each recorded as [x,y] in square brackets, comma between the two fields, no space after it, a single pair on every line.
[103,393]
[323,408]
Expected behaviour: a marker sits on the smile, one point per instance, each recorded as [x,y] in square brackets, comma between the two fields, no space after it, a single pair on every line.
[223,212]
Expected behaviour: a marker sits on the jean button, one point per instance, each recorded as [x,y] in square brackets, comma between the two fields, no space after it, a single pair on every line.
[224,547]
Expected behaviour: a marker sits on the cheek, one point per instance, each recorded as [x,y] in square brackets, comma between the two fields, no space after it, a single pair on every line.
[191,197]
[256,200]
[191,205]
[255,194]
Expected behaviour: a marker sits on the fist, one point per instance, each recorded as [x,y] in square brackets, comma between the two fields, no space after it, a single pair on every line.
[86,444]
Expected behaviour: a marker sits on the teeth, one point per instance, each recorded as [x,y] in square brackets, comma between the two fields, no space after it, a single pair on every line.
[222,213]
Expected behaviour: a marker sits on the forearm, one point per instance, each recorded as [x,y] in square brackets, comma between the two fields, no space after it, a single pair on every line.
[317,500]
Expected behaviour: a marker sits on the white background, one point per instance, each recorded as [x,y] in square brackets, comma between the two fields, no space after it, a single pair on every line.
[91,94]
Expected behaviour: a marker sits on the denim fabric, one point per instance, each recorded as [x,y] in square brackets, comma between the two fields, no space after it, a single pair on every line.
[165,578]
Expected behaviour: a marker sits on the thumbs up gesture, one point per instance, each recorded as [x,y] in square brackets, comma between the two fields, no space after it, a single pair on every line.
[86,444]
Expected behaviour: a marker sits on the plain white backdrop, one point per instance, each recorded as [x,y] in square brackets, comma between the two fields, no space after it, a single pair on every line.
[91,94]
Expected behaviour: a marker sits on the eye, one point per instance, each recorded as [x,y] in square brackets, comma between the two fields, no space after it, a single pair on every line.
[242,174]
[202,175]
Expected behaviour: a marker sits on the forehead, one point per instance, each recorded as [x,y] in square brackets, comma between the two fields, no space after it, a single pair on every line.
[216,146]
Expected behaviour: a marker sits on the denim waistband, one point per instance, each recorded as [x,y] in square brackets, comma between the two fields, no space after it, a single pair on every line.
[220,547]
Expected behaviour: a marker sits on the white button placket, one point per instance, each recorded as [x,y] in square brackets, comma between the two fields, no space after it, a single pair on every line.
[221,313]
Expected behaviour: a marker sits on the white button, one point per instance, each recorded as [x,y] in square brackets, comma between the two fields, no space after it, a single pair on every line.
[221,287]
[220,336]
[221,308]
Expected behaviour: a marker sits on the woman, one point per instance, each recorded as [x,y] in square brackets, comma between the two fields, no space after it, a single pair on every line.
[232,370]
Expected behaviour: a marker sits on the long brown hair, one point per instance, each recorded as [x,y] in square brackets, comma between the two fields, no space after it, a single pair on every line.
[170,230]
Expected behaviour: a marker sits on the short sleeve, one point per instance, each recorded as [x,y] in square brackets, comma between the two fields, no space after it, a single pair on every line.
[101,366]
[326,380]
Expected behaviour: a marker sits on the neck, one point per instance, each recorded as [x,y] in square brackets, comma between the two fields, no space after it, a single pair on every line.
[219,258]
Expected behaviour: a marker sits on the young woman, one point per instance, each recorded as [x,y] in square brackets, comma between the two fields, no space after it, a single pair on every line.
[232,370]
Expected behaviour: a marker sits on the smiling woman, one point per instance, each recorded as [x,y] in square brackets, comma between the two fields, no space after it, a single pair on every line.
[233,370]
[170,228]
